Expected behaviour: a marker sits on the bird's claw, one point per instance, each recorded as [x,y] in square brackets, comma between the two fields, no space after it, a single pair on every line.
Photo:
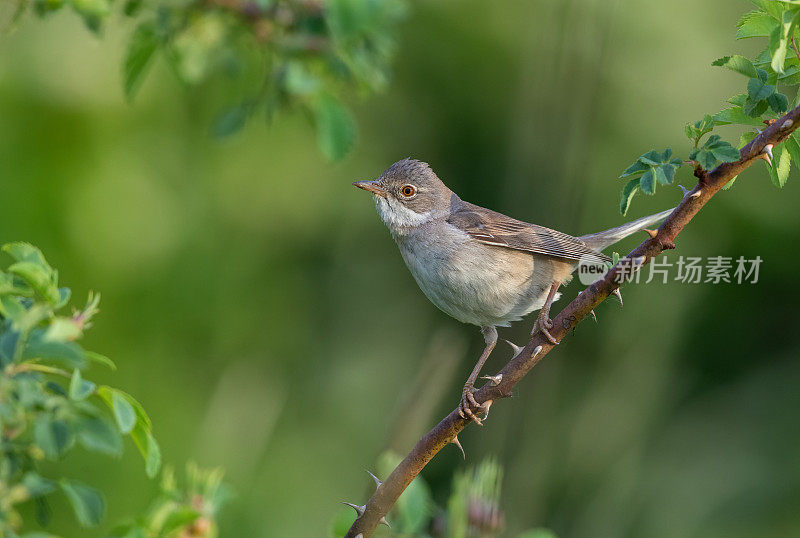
[543,324]
[468,407]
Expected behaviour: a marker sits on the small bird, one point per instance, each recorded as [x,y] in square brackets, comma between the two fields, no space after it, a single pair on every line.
[477,265]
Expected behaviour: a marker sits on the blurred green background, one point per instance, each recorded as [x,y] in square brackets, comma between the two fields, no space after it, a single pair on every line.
[260,311]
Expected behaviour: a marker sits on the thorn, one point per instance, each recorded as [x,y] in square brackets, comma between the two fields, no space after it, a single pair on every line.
[696,194]
[486,406]
[767,154]
[383,520]
[684,189]
[377,480]
[787,124]
[594,316]
[514,348]
[493,379]
[651,233]
[536,351]
[456,442]
[359,535]
[619,295]
[359,509]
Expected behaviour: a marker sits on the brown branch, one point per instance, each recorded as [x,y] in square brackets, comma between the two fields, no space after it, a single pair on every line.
[426,448]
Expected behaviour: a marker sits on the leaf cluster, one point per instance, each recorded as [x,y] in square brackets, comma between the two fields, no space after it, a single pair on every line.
[191,510]
[304,56]
[770,74]
[47,405]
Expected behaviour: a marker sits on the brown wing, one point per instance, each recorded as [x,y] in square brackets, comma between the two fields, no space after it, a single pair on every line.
[494,228]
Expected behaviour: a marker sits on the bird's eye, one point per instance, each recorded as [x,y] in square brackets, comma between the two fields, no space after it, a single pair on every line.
[408,191]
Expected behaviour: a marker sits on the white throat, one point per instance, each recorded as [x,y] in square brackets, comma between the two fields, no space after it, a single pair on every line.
[397,216]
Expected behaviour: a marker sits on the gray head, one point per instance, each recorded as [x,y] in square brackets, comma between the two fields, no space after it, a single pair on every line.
[409,193]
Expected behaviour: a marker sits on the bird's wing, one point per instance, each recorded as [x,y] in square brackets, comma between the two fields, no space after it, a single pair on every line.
[494,228]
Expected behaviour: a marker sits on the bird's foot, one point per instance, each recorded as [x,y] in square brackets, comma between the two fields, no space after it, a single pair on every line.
[469,407]
[543,324]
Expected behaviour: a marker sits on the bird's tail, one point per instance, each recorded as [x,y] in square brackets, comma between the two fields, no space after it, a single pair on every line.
[601,240]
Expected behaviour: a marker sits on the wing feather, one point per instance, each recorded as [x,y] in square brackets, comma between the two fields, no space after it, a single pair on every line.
[493,228]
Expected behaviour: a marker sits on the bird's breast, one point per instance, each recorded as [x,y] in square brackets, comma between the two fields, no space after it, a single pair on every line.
[471,281]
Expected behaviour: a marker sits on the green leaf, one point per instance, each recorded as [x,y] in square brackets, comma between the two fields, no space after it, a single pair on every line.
[755,108]
[99,435]
[635,168]
[143,45]
[37,485]
[745,138]
[140,423]
[781,163]
[666,174]
[778,103]
[54,437]
[660,176]
[87,503]
[336,130]
[648,182]
[651,158]
[100,359]
[738,99]
[25,252]
[706,159]
[755,24]
[79,388]
[739,64]
[39,279]
[148,448]
[705,125]
[758,90]
[123,411]
[11,308]
[628,191]
[67,354]
[786,31]
[141,415]
[775,9]
[714,152]
[736,115]
[792,146]
[725,153]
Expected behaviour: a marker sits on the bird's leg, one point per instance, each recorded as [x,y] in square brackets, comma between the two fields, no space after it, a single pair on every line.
[543,322]
[468,406]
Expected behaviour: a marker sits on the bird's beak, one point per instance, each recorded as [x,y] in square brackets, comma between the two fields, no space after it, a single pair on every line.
[372,186]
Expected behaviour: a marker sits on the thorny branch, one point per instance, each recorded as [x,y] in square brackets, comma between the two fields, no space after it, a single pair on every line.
[709,183]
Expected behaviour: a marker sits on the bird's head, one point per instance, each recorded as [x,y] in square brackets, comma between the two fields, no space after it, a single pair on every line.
[408,194]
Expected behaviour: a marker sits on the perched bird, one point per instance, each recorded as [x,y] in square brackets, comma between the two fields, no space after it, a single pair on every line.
[477,265]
